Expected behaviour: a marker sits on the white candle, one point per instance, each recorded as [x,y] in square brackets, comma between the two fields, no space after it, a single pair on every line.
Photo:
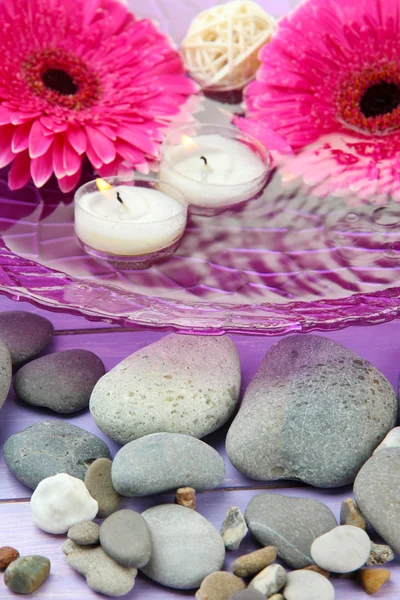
[213,170]
[146,220]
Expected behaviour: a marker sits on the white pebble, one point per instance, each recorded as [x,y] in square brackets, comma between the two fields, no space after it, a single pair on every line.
[392,440]
[342,550]
[270,580]
[61,501]
[308,585]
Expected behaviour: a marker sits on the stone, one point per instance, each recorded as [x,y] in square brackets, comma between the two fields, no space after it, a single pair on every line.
[371,580]
[314,412]
[392,440]
[166,461]
[27,574]
[25,334]
[99,483]
[50,447]
[317,569]
[289,524]
[125,537]
[219,586]
[306,585]
[277,597]
[102,573]
[251,564]
[186,496]
[186,384]
[248,595]
[344,549]
[380,555]
[7,556]
[61,501]
[270,580]
[186,547]
[350,515]
[377,493]
[62,381]
[5,372]
[85,533]
[234,528]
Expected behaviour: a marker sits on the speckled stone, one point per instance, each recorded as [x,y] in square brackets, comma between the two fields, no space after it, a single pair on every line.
[166,461]
[314,412]
[125,537]
[234,528]
[27,574]
[85,533]
[350,514]
[289,524]
[5,372]
[250,564]
[51,447]
[180,384]
[102,573]
[307,585]
[186,547]
[62,381]
[219,586]
[7,556]
[25,334]
[380,555]
[99,483]
[377,493]
[186,496]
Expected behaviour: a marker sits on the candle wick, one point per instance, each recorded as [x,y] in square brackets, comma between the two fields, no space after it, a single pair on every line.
[119,198]
[203,158]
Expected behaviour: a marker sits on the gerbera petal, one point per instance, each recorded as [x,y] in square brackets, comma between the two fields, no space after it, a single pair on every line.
[105,149]
[77,138]
[137,138]
[58,157]
[20,172]
[5,115]
[6,153]
[70,182]
[39,143]
[42,168]
[93,157]
[20,139]
[72,160]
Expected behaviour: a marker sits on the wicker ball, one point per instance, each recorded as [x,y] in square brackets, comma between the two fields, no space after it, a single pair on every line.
[221,47]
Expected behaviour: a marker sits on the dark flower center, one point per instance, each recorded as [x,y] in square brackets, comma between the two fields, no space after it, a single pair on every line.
[380,99]
[59,81]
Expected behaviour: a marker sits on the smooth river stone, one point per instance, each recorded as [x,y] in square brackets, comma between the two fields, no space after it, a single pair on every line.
[289,524]
[314,412]
[186,547]
[125,537]
[50,447]
[377,493]
[166,461]
[99,483]
[62,381]
[180,384]
[26,574]
[307,585]
[344,549]
[5,372]
[25,334]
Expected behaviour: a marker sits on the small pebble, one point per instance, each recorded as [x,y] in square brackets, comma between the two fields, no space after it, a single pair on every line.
[371,580]
[344,549]
[270,581]
[102,573]
[85,533]
[125,536]
[276,597]
[317,569]
[392,440]
[219,586]
[7,556]
[380,555]
[25,334]
[234,528]
[5,372]
[26,574]
[306,585]
[249,594]
[186,496]
[251,564]
[99,483]
[350,514]
[61,501]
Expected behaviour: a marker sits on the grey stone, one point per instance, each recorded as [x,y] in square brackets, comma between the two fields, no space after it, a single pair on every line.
[180,384]
[377,493]
[62,381]
[270,580]
[248,594]
[102,573]
[5,373]
[380,555]
[99,483]
[85,533]
[125,536]
[289,524]
[51,447]
[186,547]
[25,334]
[234,528]
[165,461]
[314,412]
[307,585]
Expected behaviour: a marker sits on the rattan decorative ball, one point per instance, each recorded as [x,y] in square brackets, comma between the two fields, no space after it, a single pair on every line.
[221,47]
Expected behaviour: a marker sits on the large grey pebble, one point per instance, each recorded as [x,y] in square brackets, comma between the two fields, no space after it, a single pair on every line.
[289,524]
[25,333]
[5,372]
[62,381]
[165,461]
[51,447]
[314,412]
[377,493]
[186,547]
[180,384]
[125,536]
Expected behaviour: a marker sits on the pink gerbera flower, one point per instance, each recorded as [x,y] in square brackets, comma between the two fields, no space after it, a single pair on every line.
[82,79]
[330,83]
